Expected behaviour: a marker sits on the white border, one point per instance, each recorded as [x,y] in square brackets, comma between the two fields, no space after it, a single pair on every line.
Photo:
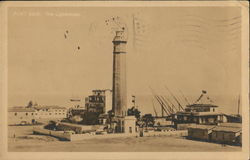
[126,155]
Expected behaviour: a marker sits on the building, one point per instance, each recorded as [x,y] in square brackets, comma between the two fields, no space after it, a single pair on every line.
[21,115]
[234,118]
[125,124]
[203,118]
[119,99]
[199,113]
[201,132]
[32,114]
[130,124]
[202,108]
[100,101]
[230,133]
[50,112]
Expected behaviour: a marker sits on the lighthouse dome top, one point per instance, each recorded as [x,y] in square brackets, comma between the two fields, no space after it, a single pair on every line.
[120,36]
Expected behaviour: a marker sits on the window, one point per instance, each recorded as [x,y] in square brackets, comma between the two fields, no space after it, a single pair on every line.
[32,114]
[15,114]
[26,114]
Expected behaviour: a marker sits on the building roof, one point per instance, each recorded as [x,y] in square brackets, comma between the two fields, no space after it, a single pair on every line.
[207,114]
[233,125]
[200,113]
[182,113]
[233,116]
[21,109]
[49,107]
[204,127]
[80,109]
[227,129]
[201,105]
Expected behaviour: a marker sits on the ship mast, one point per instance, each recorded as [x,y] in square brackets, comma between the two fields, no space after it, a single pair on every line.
[179,104]
[164,108]
[185,98]
[154,108]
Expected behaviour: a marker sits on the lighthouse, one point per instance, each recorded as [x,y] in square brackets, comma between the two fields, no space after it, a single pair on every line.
[122,123]
[119,99]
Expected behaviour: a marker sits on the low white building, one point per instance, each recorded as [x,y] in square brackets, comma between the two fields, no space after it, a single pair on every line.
[29,115]
[21,115]
[51,112]
[125,124]
[129,124]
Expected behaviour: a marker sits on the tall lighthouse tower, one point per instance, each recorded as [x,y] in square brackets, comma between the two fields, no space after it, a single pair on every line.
[119,99]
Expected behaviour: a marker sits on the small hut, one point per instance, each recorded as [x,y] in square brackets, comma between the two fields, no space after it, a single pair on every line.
[201,132]
[227,134]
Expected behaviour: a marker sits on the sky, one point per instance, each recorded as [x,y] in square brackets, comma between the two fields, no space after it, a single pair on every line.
[183,48]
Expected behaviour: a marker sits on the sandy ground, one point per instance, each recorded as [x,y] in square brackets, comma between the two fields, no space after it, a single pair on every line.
[26,142]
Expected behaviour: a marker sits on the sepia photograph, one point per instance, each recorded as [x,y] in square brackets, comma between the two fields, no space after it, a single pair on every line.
[126,78]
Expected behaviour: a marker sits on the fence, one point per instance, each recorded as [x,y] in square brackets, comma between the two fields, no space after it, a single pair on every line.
[167,133]
[58,134]
[76,137]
